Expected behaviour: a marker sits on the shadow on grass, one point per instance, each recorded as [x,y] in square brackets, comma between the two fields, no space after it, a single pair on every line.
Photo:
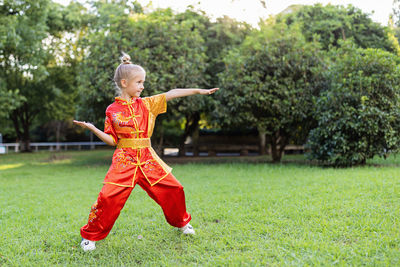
[299,160]
[292,159]
[103,157]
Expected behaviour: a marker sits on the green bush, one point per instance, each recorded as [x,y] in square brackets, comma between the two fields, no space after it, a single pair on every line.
[358,115]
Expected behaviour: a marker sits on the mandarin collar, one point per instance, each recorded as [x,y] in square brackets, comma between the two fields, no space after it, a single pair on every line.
[122,101]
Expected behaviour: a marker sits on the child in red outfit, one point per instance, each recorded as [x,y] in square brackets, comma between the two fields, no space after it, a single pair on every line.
[129,125]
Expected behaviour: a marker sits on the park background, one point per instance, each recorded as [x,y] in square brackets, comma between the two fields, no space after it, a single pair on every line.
[325,77]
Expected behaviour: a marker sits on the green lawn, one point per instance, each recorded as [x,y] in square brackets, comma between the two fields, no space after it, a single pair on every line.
[243,213]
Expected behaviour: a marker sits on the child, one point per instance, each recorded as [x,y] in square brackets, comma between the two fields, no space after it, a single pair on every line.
[129,125]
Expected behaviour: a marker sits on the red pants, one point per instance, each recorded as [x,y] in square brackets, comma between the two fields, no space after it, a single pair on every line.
[168,193]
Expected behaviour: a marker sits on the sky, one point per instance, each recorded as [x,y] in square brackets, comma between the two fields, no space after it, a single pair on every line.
[252,10]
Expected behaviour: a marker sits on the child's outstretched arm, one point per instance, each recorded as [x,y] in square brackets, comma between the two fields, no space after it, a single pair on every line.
[100,134]
[175,93]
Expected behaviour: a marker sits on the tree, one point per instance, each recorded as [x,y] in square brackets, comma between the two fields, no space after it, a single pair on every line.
[22,59]
[270,83]
[359,114]
[219,38]
[65,25]
[170,49]
[28,61]
[396,12]
[333,23]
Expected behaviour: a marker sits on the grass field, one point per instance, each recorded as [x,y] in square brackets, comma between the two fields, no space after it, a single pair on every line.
[243,213]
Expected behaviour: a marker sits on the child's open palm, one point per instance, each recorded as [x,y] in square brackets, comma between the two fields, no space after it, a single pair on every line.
[208,91]
[84,124]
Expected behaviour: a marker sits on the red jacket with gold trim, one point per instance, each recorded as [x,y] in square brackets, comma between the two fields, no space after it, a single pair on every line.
[134,119]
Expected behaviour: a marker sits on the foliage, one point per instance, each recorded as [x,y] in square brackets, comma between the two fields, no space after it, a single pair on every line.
[270,83]
[31,71]
[220,37]
[359,114]
[176,59]
[9,101]
[168,51]
[169,48]
[22,59]
[332,23]
[396,12]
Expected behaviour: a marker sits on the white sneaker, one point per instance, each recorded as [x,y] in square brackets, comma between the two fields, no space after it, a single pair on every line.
[187,230]
[88,245]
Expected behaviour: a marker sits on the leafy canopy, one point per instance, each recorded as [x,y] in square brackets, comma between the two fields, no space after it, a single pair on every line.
[270,82]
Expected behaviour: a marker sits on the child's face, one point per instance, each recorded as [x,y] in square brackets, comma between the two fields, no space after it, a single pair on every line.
[135,86]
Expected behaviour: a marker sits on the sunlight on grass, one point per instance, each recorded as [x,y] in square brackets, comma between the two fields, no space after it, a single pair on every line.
[61,161]
[10,166]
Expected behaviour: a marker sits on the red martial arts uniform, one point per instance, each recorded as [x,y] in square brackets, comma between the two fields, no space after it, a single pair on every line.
[131,124]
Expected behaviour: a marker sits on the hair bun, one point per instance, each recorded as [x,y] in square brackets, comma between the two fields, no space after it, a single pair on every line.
[125,59]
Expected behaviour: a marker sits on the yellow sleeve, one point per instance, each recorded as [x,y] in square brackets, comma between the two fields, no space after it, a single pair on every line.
[157,104]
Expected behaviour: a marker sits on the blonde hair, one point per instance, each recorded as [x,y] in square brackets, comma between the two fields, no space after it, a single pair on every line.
[126,70]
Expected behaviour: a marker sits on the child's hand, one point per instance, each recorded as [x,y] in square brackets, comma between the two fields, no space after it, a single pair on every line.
[208,91]
[84,124]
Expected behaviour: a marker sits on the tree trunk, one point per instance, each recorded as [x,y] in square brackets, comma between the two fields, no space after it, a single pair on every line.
[262,141]
[181,152]
[159,147]
[25,145]
[195,141]
[276,155]
[22,118]
[26,140]
[58,129]
[282,145]
[192,122]
[278,144]
[91,140]
[18,132]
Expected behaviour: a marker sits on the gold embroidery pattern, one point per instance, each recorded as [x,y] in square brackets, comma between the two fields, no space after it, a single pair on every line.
[122,160]
[93,212]
[149,166]
[120,119]
[134,143]
[163,165]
